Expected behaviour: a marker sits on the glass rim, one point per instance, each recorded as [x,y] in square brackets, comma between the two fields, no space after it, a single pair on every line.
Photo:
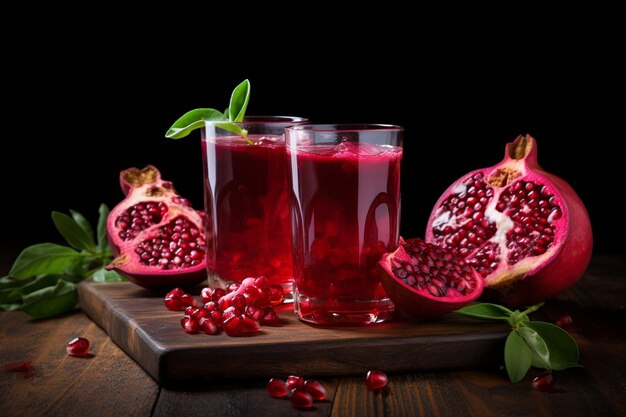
[345,127]
[251,120]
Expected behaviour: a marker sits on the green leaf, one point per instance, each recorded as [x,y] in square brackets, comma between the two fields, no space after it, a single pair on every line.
[102,275]
[10,307]
[517,357]
[485,311]
[227,113]
[30,286]
[103,242]
[8,282]
[43,259]
[536,343]
[517,319]
[51,301]
[72,232]
[239,102]
[561,345]
[192,120]
[84,224]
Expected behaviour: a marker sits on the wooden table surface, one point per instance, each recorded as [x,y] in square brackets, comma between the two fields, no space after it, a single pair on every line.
[111,384]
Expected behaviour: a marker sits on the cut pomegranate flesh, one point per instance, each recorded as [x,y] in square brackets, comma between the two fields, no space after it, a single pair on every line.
[156,234]
[375,380]
[424,280]
[525,231]
[78,346]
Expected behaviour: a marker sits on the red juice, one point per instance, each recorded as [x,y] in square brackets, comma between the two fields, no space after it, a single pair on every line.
[346,214]
[248,226]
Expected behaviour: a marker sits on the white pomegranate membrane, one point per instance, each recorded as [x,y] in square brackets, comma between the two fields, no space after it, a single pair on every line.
[525,231]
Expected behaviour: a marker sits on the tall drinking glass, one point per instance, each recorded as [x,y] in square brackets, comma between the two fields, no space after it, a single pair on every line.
[248,226]
[345,184]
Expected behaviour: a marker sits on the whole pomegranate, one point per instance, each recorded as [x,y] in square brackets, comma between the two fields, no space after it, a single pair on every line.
[157,237]
[525,231]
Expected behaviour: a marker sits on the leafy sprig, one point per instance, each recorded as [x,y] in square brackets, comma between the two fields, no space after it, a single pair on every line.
[42,281]
[530,343]
[234,113]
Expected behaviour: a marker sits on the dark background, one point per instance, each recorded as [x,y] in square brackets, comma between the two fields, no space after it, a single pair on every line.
[80,115]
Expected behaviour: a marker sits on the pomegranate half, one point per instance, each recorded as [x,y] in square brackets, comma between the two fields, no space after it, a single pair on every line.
[426,281]
[157,237]
[525,231]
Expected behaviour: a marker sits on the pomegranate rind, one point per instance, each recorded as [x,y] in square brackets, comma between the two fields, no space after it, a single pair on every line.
[539,277]
[421,304]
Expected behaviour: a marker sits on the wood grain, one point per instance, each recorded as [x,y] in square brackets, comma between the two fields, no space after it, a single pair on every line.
[138,321]
[107,384]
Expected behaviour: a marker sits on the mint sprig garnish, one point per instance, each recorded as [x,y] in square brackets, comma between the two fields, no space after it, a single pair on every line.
[234,113]
[42,281]
[530,343]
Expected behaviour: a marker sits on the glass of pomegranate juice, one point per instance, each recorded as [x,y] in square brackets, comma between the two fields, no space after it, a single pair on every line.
[248,227]
[345,182]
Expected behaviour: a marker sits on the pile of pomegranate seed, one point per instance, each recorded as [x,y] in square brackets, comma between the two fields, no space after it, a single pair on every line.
[543,381]
[301,392]
[240,309]
[78,346]
[375,380]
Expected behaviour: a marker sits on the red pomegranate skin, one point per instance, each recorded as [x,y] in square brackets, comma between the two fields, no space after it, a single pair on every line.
[552,262]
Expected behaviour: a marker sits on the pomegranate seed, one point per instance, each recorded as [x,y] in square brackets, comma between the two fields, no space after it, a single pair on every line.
[208,325]
[269,318]
[190,324]
[232,287]
[217,294]
[295,381]
[174,303]
[277,388]
[564,320]
[232,326]
[375,380]
[205,294]
[25,367]
[543,381]
[301,399]
[249,325]
[188,300]
[261,282]
[317,390]
[78,346]
[276,294]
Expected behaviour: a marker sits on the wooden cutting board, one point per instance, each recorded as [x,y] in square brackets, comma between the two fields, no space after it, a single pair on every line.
[138,321]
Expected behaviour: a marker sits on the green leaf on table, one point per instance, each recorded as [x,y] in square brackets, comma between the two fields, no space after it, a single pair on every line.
[50,301]
[561,345]
[85,225]
[517,357]
[102,275]
[43,259]
[103,241]
[192,120]
[8,282]
[541,357]
[30,286]
[10,307]
[239,102]
[72,232]
[485,311]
